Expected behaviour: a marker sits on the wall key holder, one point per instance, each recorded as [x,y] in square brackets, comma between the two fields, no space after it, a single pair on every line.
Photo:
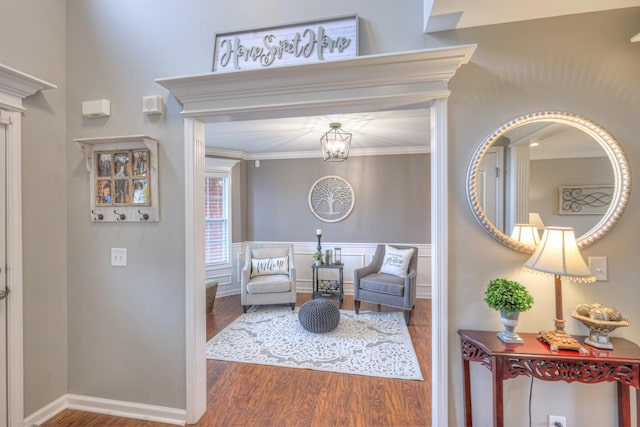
[123,178]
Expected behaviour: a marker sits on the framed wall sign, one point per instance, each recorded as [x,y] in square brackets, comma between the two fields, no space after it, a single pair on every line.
[331,199]
[286,45]
[124,178]
[584,199]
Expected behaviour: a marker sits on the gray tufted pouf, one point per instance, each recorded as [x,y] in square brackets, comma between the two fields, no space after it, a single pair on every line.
[319,315]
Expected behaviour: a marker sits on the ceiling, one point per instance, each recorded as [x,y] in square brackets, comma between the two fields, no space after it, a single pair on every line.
[405,131]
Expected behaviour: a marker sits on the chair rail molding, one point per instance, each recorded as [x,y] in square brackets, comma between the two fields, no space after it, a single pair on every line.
[404,80]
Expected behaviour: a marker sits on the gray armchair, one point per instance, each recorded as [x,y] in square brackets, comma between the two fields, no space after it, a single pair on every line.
[370,285]
[266,278]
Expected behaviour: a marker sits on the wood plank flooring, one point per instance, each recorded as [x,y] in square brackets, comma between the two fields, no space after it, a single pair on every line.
[265,396]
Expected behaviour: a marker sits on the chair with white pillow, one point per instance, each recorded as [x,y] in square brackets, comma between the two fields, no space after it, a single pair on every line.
[390,279]
[268,276]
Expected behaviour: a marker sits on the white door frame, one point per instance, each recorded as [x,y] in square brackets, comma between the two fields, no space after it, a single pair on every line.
[14,87]
[406,80]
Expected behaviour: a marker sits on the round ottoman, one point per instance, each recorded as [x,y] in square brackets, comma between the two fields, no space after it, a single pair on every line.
[319,315]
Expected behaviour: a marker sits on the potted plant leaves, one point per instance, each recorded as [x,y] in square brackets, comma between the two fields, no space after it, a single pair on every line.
[510,298]
[318,258]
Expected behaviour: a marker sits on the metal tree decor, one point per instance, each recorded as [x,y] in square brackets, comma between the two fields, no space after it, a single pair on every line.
[331,199]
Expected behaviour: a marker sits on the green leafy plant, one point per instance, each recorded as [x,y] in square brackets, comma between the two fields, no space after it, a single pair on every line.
[317,256]
[508,295]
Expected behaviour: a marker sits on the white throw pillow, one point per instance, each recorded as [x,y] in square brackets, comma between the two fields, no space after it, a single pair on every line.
[264,266]
[396,261]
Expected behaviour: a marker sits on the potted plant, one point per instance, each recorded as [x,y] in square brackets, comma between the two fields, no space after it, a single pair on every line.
[318,258]
[511,298]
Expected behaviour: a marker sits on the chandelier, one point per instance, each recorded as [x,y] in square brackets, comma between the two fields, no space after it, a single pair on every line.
[335,144]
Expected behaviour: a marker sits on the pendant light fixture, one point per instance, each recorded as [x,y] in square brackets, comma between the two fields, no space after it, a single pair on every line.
[335,144]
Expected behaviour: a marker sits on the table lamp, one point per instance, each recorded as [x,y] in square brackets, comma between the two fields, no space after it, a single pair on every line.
[526,233]
[558,255]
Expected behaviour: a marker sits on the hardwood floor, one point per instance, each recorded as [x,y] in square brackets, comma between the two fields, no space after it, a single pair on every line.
[264,396]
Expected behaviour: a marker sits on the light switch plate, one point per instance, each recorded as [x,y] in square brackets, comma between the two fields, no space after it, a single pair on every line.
[598,267]
[118,257]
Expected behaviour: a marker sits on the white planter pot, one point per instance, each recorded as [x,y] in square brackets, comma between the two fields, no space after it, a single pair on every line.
[509,336]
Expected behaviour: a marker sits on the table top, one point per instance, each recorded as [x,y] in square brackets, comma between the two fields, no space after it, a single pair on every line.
[336,266]
[623,349]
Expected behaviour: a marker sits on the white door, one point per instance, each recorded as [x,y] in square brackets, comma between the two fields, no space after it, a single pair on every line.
[490,186]
[3,279]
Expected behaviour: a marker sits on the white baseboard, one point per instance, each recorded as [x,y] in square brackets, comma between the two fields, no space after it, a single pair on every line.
[116,408]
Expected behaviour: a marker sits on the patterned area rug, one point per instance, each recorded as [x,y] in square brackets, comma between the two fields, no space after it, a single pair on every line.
[369,343]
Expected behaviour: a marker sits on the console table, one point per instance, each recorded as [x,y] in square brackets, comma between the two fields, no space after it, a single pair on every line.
[534,358]
[336,290]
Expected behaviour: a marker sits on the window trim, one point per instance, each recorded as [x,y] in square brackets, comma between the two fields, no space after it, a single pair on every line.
[223,167]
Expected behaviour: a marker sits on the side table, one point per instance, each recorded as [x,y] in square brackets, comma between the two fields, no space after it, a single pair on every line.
[328,288]
[534,359]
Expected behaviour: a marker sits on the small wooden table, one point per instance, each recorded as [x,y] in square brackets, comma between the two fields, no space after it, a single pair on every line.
[533,358]
[337,292]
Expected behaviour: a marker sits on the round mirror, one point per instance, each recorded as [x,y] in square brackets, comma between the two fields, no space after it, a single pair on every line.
[548,168]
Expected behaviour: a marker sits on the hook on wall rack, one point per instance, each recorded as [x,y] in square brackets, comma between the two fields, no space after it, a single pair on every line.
[123,178]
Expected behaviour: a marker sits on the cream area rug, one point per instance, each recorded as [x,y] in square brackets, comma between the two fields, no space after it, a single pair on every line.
[369,343]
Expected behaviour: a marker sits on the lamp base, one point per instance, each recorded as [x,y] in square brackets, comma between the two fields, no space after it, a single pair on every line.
[560,340]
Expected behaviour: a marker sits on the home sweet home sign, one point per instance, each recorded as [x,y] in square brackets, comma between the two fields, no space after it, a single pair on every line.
[287,45]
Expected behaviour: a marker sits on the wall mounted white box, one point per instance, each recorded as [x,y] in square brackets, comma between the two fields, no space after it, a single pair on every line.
[153,104]
[96,108]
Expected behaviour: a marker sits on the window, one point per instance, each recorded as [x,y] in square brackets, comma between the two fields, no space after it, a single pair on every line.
[217,217]
[216,220]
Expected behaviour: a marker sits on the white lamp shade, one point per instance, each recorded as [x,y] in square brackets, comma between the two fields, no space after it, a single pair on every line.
[526,233]
[558,254]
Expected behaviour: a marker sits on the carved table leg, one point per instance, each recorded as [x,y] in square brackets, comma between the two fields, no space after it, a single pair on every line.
[466,383]
[497,371]
[637,407]
[624,407]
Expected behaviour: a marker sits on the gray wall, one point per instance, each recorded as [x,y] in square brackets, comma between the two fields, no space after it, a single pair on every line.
[583,64]
[33,41]
[126,325]
[391,200]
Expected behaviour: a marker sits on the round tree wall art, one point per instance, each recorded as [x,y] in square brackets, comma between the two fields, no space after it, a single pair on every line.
[331,199]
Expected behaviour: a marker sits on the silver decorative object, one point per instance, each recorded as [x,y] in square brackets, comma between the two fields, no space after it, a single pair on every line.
[335,144]
[509,321]
[601,321]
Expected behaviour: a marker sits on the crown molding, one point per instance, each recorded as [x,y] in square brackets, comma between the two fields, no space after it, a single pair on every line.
[16,85]
[359,152]
[364,83]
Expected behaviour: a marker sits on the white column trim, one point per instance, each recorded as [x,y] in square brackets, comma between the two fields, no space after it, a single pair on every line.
[15,86]
[439,265]
[15,363]
[196,334]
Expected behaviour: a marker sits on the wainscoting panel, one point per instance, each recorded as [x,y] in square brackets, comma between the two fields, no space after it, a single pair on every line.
[354,255]
[224,277]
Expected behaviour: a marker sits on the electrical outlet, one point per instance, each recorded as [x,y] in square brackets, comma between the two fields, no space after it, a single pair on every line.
[118,257]
[557,421]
